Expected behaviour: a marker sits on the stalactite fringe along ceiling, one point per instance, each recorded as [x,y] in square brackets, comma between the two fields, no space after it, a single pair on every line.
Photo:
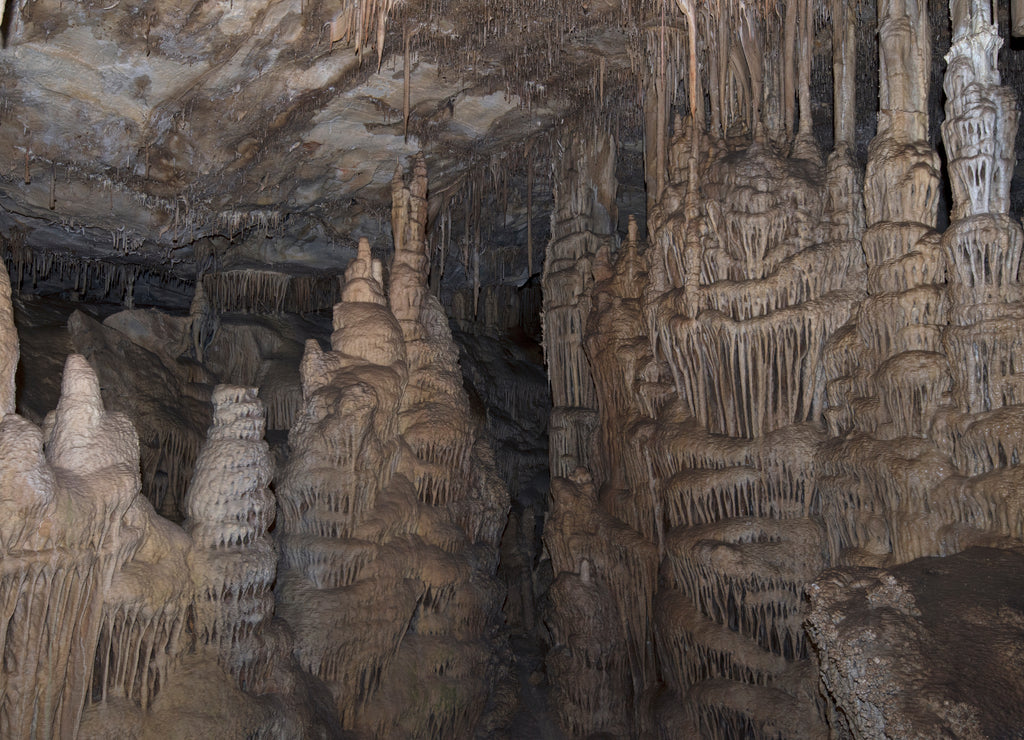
[772,255]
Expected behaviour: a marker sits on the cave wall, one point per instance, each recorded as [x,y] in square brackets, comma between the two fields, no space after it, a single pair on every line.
[797,372]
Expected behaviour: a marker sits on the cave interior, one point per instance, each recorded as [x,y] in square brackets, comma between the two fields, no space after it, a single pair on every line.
[511,369]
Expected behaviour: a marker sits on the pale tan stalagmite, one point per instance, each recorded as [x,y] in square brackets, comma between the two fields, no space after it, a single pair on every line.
[8,346]
[463,506]
[363,278]
[344,516]
[146,590]
[983,245]
[167,399]
[233,561]
[106,619]
[389,506]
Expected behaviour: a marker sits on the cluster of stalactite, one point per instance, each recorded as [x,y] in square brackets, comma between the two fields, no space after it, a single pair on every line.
[923,384]
[81,278]
[705,354]
[796,372]
[262,291]
[391,508]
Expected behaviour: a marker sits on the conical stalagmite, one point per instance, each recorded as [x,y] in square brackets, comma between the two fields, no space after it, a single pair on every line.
[234,562]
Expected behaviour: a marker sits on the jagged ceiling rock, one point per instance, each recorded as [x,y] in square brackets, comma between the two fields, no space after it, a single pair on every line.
[139,131]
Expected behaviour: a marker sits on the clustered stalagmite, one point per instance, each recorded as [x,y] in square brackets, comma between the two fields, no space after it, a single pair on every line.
[797,372]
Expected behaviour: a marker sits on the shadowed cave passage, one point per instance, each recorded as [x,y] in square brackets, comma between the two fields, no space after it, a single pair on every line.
[402,369]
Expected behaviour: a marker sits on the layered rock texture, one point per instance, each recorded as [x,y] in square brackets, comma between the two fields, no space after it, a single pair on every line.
[391,508]
[377,609]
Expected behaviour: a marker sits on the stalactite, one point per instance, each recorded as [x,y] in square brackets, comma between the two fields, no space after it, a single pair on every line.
[85,276]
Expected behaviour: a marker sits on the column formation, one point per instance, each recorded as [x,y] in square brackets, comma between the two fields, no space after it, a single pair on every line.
[583,220]
[887,373]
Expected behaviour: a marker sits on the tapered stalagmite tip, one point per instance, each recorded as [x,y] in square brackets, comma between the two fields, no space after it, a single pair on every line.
[80,386]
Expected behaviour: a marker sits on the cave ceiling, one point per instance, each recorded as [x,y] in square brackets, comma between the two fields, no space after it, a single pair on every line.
[177,137]
[267,133]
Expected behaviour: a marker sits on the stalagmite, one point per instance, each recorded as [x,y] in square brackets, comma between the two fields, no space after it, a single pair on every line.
[234,562]
[762,478]
[8,346]
[384,521]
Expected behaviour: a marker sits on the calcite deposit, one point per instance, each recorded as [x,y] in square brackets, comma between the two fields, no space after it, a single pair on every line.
[390,507]
[391,512]
[449,369]
[792,373]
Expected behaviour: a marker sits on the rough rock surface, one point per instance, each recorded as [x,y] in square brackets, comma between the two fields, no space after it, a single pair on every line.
[931,648]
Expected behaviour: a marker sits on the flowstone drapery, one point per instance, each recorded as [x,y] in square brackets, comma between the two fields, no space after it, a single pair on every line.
[937,468]
[797,372]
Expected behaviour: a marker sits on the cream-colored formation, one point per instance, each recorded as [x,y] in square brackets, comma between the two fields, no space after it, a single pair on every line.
[763,414]
[796,372]
[95,587]
[234,562]
[119,622]
[391,508]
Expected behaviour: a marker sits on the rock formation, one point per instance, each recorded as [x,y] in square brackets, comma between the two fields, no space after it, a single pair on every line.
[898,647]
[234,562]
[386,577]
[776,300]
[96,590]
[769,488]
[581,223]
